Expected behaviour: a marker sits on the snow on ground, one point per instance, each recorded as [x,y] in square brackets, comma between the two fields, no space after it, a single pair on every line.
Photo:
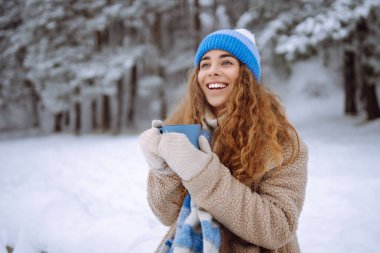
[75,194]
[341,213]
[67,194]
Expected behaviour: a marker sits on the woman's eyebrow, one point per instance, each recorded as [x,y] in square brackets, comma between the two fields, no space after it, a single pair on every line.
[205,58]
[221,56]
[225,55]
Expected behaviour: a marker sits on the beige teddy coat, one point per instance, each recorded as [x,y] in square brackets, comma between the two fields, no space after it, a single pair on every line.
[260,218]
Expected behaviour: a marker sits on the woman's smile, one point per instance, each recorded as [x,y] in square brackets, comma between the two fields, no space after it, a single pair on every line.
[217,86]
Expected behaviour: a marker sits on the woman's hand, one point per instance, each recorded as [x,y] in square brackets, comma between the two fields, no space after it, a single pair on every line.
[184,159]
[149,141]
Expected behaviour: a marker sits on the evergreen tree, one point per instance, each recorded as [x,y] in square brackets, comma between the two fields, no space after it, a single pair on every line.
[304,31]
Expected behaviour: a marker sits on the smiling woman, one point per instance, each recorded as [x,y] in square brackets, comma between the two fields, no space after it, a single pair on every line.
[244,191]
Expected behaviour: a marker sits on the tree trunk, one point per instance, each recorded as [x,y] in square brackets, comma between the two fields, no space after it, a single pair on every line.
[157,32]
[106,113]
[94,114]
[58,122]
[77,118]
[371,103]
[120,105]
[160,69]
[36,116]
[215,22]
[132,96]
[368,72]
[162,96]
[197,23]
[349,78]
[98,40]
[35,101]
[66,119]
[116,33]
[61,121]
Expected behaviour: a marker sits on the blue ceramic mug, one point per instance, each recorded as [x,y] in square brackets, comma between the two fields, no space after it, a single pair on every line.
[192,131]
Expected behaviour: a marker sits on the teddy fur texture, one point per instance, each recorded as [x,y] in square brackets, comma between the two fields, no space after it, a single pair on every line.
[259,218]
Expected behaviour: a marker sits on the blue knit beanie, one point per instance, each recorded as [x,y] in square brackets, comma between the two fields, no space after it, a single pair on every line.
[240,43]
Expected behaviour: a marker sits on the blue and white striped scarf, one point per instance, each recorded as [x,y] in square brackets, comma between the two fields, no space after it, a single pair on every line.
[196,231]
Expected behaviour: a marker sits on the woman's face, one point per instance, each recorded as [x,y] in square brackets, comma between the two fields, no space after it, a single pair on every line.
[218,75]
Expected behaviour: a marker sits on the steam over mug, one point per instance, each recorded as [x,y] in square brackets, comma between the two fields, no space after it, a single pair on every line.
[192,131]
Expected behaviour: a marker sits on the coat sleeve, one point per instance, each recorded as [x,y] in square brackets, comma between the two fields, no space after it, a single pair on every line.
[267,218]
[164,196]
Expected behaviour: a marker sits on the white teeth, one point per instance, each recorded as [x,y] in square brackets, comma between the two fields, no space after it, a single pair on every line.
[216,85]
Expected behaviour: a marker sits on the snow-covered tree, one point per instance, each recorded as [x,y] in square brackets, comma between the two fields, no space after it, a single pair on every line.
[313,27]
[76,65]
[106,65]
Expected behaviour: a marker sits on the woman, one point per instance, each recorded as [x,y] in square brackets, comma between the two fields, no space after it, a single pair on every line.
[251,179]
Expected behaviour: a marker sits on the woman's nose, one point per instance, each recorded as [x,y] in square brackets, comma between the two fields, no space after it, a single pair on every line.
[213,70]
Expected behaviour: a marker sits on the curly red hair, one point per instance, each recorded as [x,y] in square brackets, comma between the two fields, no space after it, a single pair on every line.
[254,125]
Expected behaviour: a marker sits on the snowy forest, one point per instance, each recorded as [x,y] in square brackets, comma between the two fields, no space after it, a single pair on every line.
[80,80]
[113,65]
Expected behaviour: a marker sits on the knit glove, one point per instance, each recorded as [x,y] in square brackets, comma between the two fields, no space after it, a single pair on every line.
[149,141]
[184,159]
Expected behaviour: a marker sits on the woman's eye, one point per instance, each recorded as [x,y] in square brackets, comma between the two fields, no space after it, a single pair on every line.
[204,65]
[226,63]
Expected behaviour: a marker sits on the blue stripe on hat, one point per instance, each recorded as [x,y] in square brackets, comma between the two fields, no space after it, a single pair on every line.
[236,44]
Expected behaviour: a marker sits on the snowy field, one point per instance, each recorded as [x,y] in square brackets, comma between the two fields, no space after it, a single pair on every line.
[67,194]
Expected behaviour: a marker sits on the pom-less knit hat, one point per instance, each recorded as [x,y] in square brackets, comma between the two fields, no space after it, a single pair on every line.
[240,43]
